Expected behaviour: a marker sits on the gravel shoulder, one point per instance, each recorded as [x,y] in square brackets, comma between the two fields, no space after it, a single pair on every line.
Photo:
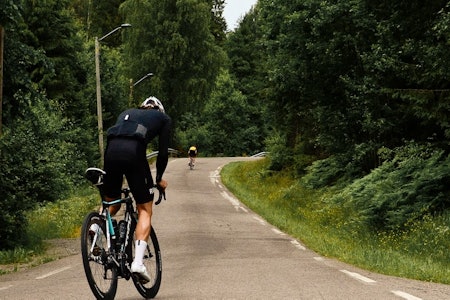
[56,249]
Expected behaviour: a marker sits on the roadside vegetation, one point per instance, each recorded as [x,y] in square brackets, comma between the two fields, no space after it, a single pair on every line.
[418,250]
[51,220]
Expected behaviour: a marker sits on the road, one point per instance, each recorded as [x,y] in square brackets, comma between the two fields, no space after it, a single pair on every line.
[213,247]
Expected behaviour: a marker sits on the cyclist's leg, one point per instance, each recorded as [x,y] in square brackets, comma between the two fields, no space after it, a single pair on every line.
[113,179]
[141,185]
[143,226]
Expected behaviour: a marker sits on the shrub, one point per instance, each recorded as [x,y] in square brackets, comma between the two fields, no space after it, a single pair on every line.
[410,184]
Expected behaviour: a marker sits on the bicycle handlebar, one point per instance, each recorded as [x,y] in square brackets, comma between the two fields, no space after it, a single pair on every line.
[162,193]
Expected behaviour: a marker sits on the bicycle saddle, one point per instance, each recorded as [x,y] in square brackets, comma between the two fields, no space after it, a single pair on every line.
[95,175]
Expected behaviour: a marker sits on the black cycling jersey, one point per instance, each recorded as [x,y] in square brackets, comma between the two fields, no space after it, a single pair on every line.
[126,152]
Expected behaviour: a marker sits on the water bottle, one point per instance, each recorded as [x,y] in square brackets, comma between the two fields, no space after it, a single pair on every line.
[122,231]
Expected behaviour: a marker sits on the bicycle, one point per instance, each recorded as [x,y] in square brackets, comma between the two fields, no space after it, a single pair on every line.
[107,247]
[191,163]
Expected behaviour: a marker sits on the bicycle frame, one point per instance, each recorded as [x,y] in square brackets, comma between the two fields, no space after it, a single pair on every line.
[111,233]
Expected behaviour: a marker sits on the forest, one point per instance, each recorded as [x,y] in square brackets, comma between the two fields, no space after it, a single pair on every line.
[352,95]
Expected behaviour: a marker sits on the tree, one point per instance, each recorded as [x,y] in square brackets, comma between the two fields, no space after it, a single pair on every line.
[98,17]
[173,40]
[44,145]
[228,120]
[247,65]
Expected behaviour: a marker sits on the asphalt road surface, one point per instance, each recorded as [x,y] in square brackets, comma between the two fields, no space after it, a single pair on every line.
[213,247]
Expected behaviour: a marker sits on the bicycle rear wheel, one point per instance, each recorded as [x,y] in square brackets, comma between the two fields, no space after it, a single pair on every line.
[153,263]
[101,276]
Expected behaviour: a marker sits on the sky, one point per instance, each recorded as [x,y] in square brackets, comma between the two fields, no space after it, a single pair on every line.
[235,9]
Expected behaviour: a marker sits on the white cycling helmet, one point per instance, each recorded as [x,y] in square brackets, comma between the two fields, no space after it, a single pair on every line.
[152,103]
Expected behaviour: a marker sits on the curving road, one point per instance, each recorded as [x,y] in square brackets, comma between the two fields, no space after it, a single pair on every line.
[213,247]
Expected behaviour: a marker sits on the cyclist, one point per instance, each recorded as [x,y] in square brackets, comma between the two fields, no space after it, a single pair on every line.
[125,155]
[192,153]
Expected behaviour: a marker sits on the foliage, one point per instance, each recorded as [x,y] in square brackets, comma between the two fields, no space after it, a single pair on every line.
[173,40]
[410,184]
[63,218]
[39,164]
[226,127]
[51,220]
[280,155]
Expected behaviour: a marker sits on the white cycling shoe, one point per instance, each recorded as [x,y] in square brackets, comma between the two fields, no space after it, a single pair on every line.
[141,271]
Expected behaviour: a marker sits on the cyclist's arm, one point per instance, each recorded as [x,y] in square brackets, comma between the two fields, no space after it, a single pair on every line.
[163,154]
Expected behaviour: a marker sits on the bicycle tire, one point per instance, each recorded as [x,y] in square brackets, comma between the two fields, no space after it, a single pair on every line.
[153,263]
[101,276]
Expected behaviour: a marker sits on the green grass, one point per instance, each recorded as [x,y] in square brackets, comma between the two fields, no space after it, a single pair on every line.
[61,219]
[421,252]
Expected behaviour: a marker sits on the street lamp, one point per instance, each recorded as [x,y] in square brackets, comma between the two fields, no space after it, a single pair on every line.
[99,95]
[132,85]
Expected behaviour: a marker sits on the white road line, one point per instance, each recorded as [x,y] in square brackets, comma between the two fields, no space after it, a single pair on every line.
[261,221]
[405,295]
[243,209]
[358,276]
[318,258]
[298,245]
[53,272]
[213,176]
[232,200]
[6,287]
[278,231]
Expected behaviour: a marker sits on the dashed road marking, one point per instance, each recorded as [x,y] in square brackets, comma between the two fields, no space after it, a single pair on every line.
[278,231]
[405,295]
[318,258]
[298,245]
[233,200]
[261,221]
[53,272]
[358,276]
[243,209]
[6,287]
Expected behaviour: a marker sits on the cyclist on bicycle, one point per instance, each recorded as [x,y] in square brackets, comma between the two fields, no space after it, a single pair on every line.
[125,155]
[192,153]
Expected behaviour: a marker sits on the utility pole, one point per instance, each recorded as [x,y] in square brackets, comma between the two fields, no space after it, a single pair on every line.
[98,89]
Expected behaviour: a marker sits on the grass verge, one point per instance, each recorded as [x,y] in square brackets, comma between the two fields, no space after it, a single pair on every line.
[419,253]
[58,220]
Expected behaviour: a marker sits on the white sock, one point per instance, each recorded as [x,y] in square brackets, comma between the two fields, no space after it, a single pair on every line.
[139,251]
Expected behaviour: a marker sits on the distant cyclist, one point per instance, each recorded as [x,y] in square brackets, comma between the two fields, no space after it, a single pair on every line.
[126,155]
[192,153]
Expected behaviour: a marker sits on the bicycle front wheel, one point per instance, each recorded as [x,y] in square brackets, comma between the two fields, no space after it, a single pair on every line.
[101,275]
[153,263]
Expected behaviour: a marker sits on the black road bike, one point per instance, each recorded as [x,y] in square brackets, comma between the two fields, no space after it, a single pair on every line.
[107,246]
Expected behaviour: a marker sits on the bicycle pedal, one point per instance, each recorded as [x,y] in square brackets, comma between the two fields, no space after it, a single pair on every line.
[140,279]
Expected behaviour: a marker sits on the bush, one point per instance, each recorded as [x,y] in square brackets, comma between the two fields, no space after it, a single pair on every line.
[411,183]
[38,164]
[280,155]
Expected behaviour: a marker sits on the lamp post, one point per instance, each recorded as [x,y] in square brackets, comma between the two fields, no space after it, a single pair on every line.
[99,95]
[132,85]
